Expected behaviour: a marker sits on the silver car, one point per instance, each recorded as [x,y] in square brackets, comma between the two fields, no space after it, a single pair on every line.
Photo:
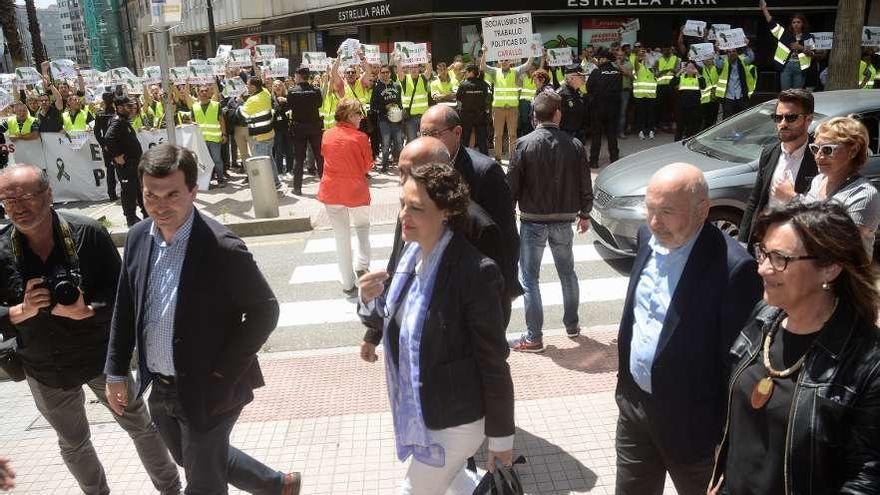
[728,154]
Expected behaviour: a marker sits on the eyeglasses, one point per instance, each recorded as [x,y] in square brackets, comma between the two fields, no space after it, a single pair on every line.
[778,261]
[7,202]
[825,149]
[788,117]
[433,133]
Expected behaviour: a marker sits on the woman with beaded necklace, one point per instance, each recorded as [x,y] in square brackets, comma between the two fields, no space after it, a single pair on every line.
[804,395]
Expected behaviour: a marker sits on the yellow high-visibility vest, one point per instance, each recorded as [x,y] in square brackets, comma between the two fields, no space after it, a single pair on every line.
[666,64]
[710,74]
[79,123]
[644,84]
[445,88]
[867,70]
[328,109]
[209,121]
[782,52]
[506,91]
[257,111]
[17,131]
[360,94]
[528,89]
[419,99]
[750,72]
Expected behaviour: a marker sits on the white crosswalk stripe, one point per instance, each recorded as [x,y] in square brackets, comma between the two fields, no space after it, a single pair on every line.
[328,244]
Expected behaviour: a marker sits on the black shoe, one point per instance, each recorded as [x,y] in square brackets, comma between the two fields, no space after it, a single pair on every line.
[114,197]
[573,332]
[353,292]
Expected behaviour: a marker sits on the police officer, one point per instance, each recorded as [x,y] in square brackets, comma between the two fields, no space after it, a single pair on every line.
[102,124]
[604,87]
[573,104]
[122,144]
[304,102]
[473,97]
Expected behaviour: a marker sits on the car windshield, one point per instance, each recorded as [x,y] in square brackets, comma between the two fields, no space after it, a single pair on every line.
[741,138]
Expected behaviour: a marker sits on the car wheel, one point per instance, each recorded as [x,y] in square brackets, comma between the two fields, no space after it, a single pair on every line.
[727,220]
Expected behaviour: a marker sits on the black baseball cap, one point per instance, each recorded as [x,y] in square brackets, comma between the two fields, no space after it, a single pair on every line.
[303,71]
[122,100]
[573,69]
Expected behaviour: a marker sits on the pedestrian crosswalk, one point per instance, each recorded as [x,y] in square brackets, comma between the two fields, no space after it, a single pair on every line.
[313,300]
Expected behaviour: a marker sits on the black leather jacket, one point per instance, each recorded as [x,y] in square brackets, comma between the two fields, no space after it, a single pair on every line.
[833,438]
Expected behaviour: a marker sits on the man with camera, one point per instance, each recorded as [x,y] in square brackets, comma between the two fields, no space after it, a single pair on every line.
[56,298]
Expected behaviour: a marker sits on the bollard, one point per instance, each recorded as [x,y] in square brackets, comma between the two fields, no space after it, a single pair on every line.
[262,184]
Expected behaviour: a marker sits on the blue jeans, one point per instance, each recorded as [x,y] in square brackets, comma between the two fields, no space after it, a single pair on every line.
[389,131]
[411,127]
[264,148]
[792,76]
[216,152]
[533,239]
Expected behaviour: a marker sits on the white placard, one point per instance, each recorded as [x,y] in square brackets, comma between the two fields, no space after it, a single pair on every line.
[234,86]
[63,69]
[411,53]
[537,45]
[559,57]
[201,74]
[264,53]
[77,139]
[630,26]
[714,28]
[133,85]
[823,40]
[197,62]
[731,39]
[372,54]
[279,67]
[153,74]
[218,66]
[119,75]
[90,76]
[178,75]
[701,51]
[223,51]
[507,37]
[348,52]
[166,12]
[240,58]
[27,75]
[316,61]
[94,94]
[695,29]
[5,99]
[871,36]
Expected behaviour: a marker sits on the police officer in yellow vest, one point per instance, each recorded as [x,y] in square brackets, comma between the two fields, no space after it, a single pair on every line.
[737,79]
[416,87]
[76,118]
[21,125]
[507,84]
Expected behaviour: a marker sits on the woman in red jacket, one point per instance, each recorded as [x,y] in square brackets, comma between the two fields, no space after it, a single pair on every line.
[344,189]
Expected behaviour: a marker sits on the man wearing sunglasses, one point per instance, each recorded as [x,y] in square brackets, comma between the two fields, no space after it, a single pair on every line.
[786,168]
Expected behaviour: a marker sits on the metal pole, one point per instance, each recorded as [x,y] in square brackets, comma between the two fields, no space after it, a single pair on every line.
[162,46]
[212,33]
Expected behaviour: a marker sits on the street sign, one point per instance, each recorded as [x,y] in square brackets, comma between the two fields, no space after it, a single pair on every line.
[507,37]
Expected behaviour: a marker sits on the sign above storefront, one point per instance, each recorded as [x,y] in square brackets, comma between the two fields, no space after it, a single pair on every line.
[367,12]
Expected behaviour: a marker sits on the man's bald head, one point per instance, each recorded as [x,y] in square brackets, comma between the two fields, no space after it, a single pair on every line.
[677,204]
[419,152]
[443,122]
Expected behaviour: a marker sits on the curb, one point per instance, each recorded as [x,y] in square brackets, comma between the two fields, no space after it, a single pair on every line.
[251,228]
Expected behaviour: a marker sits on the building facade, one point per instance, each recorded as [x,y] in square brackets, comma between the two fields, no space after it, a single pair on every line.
[76,47]
[52,33]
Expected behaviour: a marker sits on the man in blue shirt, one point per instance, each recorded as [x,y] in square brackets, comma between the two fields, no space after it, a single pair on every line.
[691,289]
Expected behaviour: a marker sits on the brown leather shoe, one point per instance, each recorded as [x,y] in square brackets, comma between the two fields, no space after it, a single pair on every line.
[291,484]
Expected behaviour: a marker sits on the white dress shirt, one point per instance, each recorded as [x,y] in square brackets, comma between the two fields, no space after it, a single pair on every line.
[788,162]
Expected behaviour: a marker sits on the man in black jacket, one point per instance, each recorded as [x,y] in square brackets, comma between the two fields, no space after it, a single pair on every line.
[125,150]
[473,99]
[62,343]
[102,124]
[785,168]
[303,102]
[604,87]
[550,179]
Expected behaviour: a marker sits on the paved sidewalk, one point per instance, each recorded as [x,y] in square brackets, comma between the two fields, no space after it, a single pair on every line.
[325,413]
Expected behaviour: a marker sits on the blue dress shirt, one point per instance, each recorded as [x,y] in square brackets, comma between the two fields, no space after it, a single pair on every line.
[654,292]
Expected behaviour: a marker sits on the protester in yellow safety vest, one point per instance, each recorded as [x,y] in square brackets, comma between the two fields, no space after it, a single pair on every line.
[507,84]
[644,95]
[621,61]
[794,48]
[75,117]
[416,86]
[445,86]
[737,80]
[257,112]
[206,112]
[667,66]
[154,107]
[139,117]
[690,83]
[21,125]
[708,100]
[867,72]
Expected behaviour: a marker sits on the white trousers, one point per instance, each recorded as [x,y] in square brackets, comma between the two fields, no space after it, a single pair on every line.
[459,443]
[341,217]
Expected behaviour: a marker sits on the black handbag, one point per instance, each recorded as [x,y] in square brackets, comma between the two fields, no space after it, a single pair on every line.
[10,362]
[504,481]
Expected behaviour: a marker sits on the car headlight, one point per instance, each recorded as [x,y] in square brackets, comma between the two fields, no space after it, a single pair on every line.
[629,203]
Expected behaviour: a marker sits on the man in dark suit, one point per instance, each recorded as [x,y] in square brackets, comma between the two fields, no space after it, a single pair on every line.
[194,302]
[690,291]
[785,168]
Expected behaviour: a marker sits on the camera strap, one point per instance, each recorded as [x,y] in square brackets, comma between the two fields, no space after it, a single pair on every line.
[66,240]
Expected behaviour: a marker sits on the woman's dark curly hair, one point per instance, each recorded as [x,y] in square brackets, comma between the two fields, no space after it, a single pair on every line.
[446,188]
[829,234]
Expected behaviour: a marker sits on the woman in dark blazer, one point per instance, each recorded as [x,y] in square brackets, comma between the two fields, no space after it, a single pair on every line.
[445,349]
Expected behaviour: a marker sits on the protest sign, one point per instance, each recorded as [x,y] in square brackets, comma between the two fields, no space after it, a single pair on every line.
[416,53]
[234,87]
[507,37]
[348,52]
[93,94]
[630,26]
[178,75]
[264,53]
[701,51]
[90,76]
[133,85]
[871,36]
[5,99]
[196,62]
[823,40]
[77,139]
[558,57]
[316,61]
[695,29]
[217,65]
[372,54]
[223,51]
[279,67]
[153,74]
[27,75]
[537,46]
[240,58]
[201,74]
[714,28]
[7,81]
[63,69]
[731,39]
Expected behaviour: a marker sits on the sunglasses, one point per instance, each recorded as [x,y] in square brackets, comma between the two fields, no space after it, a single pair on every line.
[825,149]
[788,117]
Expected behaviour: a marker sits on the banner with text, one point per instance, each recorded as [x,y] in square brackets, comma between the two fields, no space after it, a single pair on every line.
[507,37]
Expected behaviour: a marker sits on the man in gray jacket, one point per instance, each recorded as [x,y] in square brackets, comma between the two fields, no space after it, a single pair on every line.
[549,177]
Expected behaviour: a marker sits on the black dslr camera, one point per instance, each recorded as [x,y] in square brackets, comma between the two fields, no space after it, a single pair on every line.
[63,285]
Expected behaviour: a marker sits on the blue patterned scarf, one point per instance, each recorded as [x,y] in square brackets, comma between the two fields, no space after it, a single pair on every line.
[403,379]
